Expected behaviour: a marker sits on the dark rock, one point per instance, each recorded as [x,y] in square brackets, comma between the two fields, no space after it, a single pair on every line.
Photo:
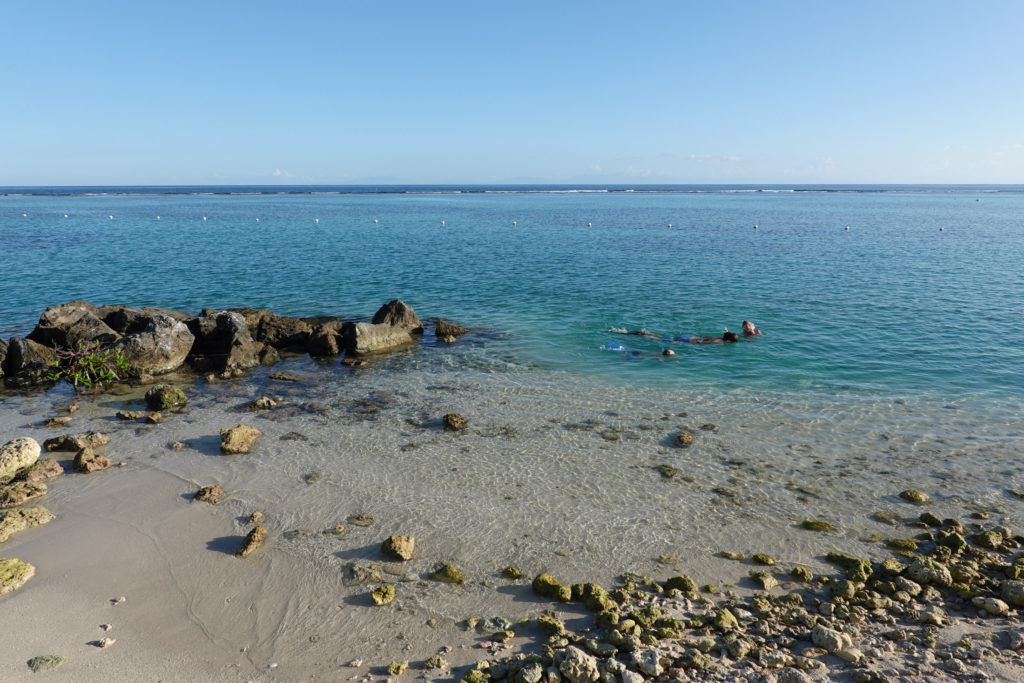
[279,331]
[325,339]
[76,442]
[165,397]
[443,328]
[397,313]
[27,363]
[72,324]
[87,460]
[160,347]
[225,342]
[4,345]
[127,320]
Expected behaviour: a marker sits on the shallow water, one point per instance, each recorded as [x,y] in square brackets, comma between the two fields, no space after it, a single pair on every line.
[880,370]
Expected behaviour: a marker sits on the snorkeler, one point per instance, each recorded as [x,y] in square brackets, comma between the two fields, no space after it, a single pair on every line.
[749,330]
[727,336]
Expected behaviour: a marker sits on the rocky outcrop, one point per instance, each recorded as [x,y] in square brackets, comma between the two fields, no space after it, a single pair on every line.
[71,324]
[399,547]
[27,363]
[16,455]
[397,313]
[223,343]
[279,331]
[129,320]
[444,329]
[326,338]
[165,397]
[87,460]
[160,347]
[394,326]
[19,493]
[4,345]
[43,469]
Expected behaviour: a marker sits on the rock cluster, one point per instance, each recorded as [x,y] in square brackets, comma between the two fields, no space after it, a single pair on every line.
[873,621]
[157,341]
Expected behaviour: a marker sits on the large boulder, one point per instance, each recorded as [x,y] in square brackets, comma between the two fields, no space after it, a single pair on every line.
[279,331]
[27,362]
[4,345]
[365,338]
[128,320]
[160,347]
[397,313]
[325,339]
[72,324]
[16,455]
[223,342]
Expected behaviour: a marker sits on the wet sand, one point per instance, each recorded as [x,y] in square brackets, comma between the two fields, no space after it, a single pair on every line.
[551,475]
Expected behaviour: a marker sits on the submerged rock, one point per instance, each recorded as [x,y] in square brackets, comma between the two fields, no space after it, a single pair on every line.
[76,442]
[240,439]
[165,397]
[453,422]
[253,540]
[684,438]
[915,496]
[547,586]
[447,573]
[444,329]
[16,455]
[14,574]
[87,460]
[19,520]
[45,663]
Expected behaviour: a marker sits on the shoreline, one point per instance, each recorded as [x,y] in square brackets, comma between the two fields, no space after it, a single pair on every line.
[506,491]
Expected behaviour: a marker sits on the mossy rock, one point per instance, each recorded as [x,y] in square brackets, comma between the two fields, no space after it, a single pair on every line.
[14,574]
[908,545]
[45,663]
[856,568]
[551,625]
[447,573]
[512,573]
[763,559]
[684,439]
[383,595]
[916,497]
[816,525]
[547,586]
[165,397]
[681,582]
[726,620]
[435,662]
[397,668]
[802,574]
[765,580]
[476,676]
[992,540]
[25,518]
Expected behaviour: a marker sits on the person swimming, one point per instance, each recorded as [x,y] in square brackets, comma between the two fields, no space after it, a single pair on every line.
[727,336]
[749,330]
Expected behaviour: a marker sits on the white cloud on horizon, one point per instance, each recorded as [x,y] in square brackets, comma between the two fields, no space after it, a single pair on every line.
[281,173]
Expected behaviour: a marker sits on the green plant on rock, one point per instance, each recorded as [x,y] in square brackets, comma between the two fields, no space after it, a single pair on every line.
[90,364]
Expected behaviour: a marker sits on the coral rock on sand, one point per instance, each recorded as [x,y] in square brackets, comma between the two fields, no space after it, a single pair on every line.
[16,455]
[454,422]
[19,520]
[19,493]
[45,662]
[43,469]
[252,541]
[240,439]
[76,442]
[210,494]
[399,547]
[13,574]
[87,460]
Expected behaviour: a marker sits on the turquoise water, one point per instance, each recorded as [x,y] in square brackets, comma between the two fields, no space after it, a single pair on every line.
[892,306]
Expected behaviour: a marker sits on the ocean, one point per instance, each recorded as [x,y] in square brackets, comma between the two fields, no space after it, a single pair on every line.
[889,360]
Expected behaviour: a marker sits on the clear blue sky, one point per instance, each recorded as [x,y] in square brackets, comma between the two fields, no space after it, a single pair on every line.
[324,92]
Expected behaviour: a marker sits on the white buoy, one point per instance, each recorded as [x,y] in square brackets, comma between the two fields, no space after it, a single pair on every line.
[24,215]
[316,220]
[110,217]
[514,224]
[442,222]
[670,225]
[65,215]
[941,229]
[158,217]
[590,225]
[257,220]
[755,227]
[204,218]
[847,228]
[376,221]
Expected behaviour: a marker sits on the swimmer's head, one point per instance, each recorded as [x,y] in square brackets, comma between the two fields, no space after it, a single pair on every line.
[748,327]
[668,352]
[730,337]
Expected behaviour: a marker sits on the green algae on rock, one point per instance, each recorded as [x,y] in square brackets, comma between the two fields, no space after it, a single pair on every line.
[383,595]
[547,586]
[816,525]
[763,559]
[447,573]
[19,520]
[165,397]
[397,668]
[682,582]
[14,574]
[916,497]
[512,573]
[684,439]
[45,663]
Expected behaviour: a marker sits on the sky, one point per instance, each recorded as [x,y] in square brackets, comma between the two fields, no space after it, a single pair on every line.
[372,92]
